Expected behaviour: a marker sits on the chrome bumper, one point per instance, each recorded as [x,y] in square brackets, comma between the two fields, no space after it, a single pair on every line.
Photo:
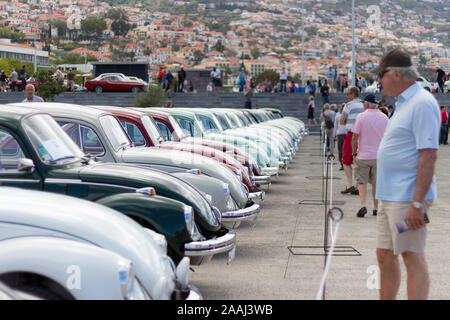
[233,219]
[208,248]
[269,171]
[194,294]
[261,179]
[257,195]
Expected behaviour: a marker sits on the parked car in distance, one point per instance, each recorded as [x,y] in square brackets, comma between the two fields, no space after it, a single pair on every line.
[49,237]
[424,83]
[113,82]
[447,86]
[138,80]
[373,88]
[30,80]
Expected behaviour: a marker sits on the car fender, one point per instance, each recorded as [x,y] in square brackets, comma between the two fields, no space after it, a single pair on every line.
[161,214]
[83,270]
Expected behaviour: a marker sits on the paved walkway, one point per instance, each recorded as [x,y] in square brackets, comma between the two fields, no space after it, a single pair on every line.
[265,269]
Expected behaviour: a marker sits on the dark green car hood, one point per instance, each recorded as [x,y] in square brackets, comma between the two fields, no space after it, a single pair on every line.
[165,185]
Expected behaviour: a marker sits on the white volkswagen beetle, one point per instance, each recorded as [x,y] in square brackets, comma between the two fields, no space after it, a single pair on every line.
[58,247]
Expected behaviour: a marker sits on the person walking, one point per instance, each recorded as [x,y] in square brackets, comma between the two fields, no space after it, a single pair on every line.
[248,98]
[3,81]
[348,117]
[310,111]
[368,131]
[168,81]
[71,80]
[443,137]
[325,91]
[328,126]
[181,78]
[161,77]
[405,176]
[13,77]
[440,79]
[30,97]
[339,133]
[283,80]
[242,82]
[22,78]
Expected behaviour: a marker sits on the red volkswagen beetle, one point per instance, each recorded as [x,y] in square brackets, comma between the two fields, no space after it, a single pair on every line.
[113,82]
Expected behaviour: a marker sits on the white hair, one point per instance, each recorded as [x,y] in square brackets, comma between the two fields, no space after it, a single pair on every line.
[408,73]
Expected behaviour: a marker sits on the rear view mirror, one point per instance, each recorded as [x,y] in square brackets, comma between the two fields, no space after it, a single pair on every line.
[25,165]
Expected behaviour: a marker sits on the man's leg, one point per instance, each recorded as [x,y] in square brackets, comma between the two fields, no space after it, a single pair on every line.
[348,174]
[375,201]
[390,274]
[418,279]
[362,188]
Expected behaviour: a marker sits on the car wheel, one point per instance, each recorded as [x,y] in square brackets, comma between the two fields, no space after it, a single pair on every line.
[428,89]
[135,89]
[99,89]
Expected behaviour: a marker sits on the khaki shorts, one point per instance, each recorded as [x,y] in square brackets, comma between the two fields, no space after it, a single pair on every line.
[365,171]
[387,233]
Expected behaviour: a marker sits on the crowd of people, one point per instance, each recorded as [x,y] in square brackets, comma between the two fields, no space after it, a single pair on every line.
[394,150]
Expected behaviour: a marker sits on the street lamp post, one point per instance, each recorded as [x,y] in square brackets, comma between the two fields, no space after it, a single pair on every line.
[303,48]
[353,44]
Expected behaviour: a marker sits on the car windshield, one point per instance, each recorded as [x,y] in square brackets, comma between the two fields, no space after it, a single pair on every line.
[242,119]
[234,122]
[114,132]
[51,143]
[223,121]
[207,124]
[152,129]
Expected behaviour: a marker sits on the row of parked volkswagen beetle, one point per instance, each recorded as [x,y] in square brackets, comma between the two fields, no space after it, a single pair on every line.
[100,202]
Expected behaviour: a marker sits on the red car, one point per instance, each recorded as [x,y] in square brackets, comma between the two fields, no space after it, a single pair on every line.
[144,132]
[19,83]
[111,82]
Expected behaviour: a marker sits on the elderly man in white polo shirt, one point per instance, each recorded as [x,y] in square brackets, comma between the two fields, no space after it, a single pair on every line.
[405,176]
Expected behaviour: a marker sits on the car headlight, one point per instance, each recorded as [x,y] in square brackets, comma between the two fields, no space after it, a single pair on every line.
[126,278]
[239,174]
[218,214]
[189,219]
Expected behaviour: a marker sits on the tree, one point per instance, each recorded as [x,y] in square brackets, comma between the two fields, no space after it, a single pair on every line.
[271,75]
[93,26]
[152,98]
[61,26]
[73,58]
[219,46]
[255,52]
[117,14]
[48,86]
[120,27]
[198,56]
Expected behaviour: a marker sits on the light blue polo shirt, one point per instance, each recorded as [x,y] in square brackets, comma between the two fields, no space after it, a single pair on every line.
[415,125]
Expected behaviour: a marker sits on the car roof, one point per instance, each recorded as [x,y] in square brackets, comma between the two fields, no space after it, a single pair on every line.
[115,109]
[65,109]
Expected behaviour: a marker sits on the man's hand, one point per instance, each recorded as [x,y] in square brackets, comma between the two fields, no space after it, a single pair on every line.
[416,218]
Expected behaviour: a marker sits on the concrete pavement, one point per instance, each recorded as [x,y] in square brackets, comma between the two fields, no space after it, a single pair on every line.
[265,269]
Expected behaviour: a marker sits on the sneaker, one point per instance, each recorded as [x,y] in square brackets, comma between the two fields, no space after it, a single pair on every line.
[355,191]
[362,212]
[341,168]
[374,212]
[348,190]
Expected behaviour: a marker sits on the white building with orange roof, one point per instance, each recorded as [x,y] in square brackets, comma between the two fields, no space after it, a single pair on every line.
[24,53]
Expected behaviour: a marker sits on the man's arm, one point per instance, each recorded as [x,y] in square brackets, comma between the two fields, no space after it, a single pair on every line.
[425,172]
[343,120]
[355,138]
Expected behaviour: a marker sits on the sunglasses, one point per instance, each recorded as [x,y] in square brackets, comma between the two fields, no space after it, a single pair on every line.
[381,73]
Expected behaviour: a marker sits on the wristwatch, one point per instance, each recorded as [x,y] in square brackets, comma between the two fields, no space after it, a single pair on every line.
[417,205]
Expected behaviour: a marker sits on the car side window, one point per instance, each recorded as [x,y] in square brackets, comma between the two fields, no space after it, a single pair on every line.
[134,133]
[207,123]
[10,152]
[84,137]
[187,126]
[165,131]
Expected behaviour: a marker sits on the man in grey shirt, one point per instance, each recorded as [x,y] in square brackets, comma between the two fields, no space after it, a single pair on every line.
[349,114]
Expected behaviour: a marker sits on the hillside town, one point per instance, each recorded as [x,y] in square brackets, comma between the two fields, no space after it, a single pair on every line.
[255,35]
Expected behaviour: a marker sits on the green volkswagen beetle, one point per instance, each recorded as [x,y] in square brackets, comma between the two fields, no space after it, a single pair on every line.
[35,153]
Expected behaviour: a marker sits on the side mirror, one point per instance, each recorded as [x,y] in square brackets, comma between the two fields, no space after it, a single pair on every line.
[25,165]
